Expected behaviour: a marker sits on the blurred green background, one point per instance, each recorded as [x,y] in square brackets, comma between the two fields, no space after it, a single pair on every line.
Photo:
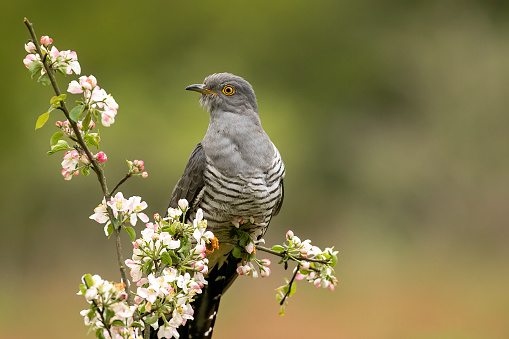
[392,119]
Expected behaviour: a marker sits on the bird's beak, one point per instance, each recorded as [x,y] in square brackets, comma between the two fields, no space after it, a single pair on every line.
[200,88]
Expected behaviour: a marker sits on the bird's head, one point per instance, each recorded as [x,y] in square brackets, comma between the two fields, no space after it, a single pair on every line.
[227,93]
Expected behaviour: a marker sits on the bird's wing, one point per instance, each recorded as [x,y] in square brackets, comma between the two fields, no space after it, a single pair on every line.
[191,183]
[279,203]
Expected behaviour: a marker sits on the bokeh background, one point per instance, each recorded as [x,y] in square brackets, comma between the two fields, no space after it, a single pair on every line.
[391,116]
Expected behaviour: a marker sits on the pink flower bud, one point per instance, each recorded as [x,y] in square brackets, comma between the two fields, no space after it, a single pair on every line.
[265,262]
[30,47]
[66,174]
[89,82]
[101,157]
[29,59]
[58,124]
[84,159]
[46,40]
[300,276]
[144,175]
[305,266]
[264,272]
[304,252]
[317,283]
[289,234]
[183,204]
[137,243]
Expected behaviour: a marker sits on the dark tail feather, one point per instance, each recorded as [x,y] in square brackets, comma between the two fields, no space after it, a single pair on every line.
[207,303]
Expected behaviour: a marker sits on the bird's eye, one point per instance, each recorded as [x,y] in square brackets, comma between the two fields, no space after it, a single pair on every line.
[228,90]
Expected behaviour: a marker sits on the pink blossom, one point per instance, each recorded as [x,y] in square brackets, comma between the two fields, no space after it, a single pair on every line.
[265,262]
[84,159]
[144,175]
[289,234]
[29,59]
[250,247]
[70,59]
[70,159]
[135,267]
[67,174]
[136,206]
[101,157]
[30,47]
[89,82]
[264,272]
[300,276]
[108,117]
[100,213]
[54,53]
[74,87]
[46,40]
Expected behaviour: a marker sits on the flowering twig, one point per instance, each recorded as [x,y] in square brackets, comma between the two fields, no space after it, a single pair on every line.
[283,254]
[290,284]
[97,169]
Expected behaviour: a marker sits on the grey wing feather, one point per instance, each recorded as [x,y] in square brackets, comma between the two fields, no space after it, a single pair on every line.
[191,183]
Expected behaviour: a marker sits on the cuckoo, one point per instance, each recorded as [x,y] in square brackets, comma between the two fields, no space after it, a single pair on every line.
[234,173]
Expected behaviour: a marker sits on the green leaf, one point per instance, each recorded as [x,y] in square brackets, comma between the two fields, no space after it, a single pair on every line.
[41,120]
[165,258]
[278,248]
[44,79]
[147,265]
[282,311]
[132,233]
[150,320]
[56,99]
[83,289]
[61,145]
[136,324]
[92,139]
[86,121]
[55,137]
[88,280]
[99,333]
[85,170]
[334,260]
[74,114]
[293,289]
[34,68]
[244,238]
[109,229]
[117,322]
[238,252]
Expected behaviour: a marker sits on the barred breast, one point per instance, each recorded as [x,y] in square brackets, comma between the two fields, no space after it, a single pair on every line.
[250,197]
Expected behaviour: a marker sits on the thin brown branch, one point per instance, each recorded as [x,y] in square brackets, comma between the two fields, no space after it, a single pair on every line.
[124,179]
[79,139]
[290,285]
[283,254]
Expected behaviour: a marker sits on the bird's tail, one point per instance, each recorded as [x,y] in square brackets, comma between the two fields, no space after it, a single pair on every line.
[206,305]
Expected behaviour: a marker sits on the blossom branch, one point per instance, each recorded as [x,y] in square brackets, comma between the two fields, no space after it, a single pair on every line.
[284,254]
[290,285]
[124,179]
[79,139]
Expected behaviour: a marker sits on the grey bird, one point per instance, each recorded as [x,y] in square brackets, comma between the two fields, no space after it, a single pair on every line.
[234,172]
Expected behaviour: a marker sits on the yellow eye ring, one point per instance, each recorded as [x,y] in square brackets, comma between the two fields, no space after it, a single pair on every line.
[228,90]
